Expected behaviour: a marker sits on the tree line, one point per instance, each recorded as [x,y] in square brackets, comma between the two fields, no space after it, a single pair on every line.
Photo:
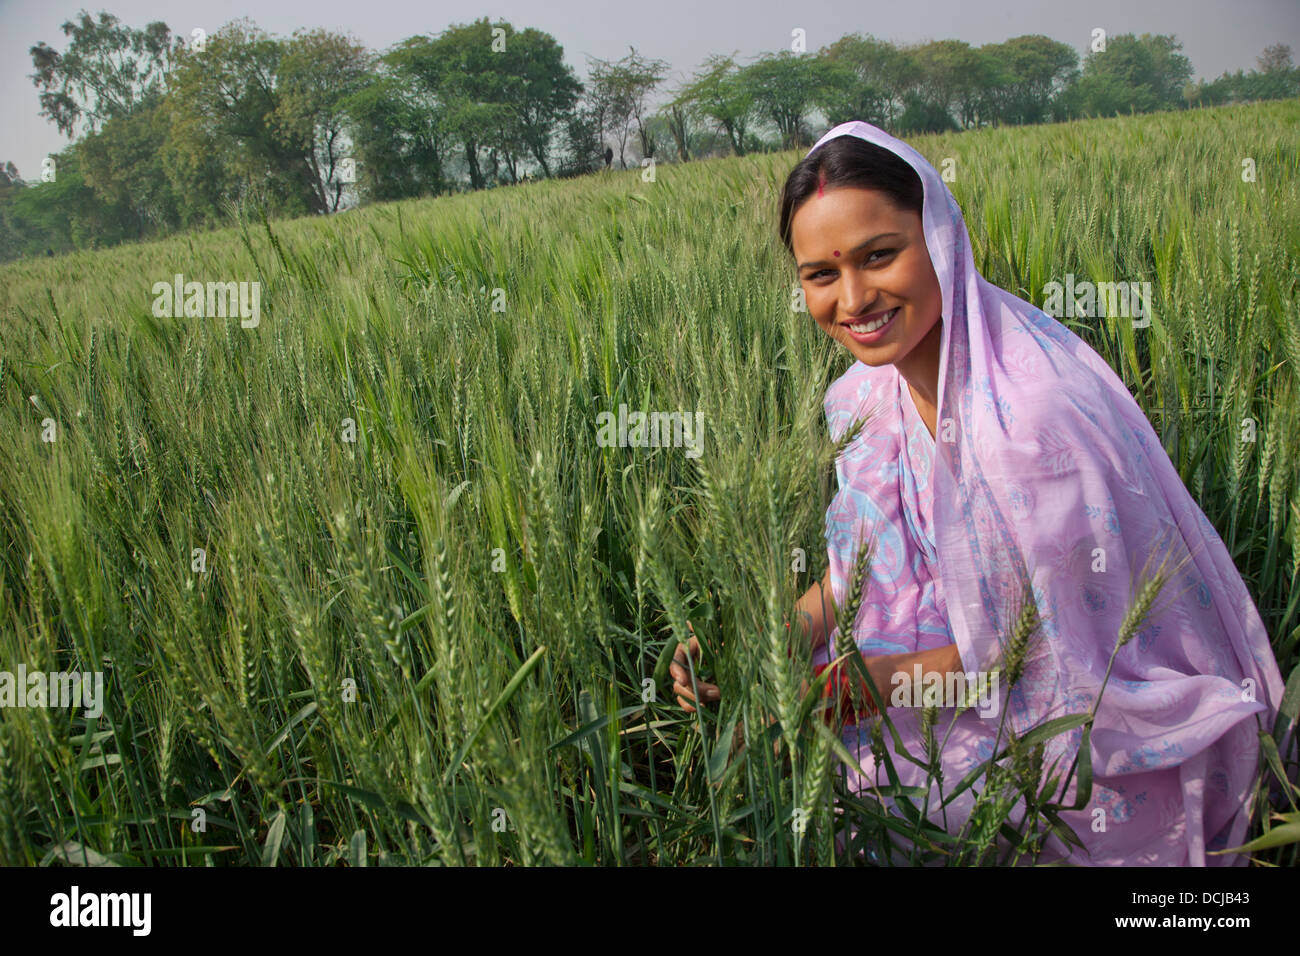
[172,132]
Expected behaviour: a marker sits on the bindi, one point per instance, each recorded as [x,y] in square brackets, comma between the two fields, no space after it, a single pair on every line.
[837,253]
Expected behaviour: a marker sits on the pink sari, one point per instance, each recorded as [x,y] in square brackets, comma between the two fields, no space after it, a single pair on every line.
[1045,470]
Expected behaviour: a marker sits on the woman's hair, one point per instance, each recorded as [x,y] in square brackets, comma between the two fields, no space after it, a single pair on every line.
[850,161]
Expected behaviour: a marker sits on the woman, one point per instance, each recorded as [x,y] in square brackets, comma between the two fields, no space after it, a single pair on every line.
[1001,454]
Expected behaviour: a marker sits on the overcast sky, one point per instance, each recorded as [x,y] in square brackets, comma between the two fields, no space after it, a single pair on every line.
[1217,35]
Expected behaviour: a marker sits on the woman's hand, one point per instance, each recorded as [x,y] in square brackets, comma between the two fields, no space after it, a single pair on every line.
[682,677]
[881,668]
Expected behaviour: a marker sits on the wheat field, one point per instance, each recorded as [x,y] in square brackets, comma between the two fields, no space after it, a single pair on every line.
[366,589]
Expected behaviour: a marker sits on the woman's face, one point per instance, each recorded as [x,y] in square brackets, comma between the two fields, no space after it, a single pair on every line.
[859,257]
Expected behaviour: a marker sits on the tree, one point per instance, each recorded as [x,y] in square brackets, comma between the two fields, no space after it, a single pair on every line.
[548,91]
[1275,57]
[316,74]
[1171,69]
[583,151]
[1034,71]
[10,240]
[981,75]
[921,115]
[498,93]
[1276,79]
[63,214]
[871,91]
[1133,74]
[676,114]
[646,75]
[224,143]
[398,137]
[619,91]
[1107,94]
[457,72]
[719,94]
[107,70]
[952,73]
[786,87]
[122,163]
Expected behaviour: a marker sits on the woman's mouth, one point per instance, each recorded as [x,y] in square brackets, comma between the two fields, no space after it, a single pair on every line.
[866,332]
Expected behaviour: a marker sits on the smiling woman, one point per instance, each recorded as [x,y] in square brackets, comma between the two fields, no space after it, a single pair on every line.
[880,298]
[1003,458]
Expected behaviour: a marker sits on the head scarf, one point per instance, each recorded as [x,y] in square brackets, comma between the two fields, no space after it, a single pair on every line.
[1046,472]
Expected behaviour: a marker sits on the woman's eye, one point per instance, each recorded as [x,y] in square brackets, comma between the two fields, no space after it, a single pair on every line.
[870,259]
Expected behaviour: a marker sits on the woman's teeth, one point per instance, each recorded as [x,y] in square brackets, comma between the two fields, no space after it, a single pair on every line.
[865,327]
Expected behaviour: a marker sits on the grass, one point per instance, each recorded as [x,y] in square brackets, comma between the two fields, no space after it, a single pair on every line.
[445,642]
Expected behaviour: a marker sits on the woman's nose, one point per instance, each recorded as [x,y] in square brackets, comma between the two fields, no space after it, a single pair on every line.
[855,293]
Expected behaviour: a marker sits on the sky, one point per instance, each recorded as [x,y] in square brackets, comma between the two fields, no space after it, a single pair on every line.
[1217,37]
